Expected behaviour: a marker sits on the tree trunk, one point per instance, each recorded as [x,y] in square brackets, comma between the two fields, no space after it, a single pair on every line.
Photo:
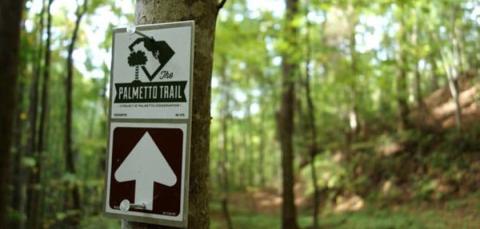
[10,19]
[261,150]
[455,69]
[454,91]
[17,172]
[418,81]
[74,202]
[311,122]
[402,95]
[204,12]
[248,143]
[225,151]
[402,85]
[434,78]
[286,117]
[31,149]
[34,202]
[353,119]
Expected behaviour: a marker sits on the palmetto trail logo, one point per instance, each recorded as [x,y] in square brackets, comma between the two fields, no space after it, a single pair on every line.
[137,91]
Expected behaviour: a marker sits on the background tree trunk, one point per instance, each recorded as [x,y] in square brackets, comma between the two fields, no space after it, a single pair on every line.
[224,176]
[313,148]
[402,66]
[31,148]
[35,192]
[286,117]
[204,12]
[10,19]
[74,202]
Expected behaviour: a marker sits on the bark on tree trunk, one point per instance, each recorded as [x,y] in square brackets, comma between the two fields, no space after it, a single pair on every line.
[33,114]
[402,88]
[204,12]
[74,202]
[224,171]
[418,76]
[402,95]
[10,18]
[312,124]
[248,145]
[455,92]
[34,204]
[17,172]
[261,150]
[434,79]
[286,117]
[353,116]
[224,158]
[455,69]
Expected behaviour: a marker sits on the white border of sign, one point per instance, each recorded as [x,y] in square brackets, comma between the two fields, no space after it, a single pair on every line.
[113,122]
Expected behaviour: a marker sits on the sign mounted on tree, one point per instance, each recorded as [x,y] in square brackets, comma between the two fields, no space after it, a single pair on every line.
[150,72]
[150,124]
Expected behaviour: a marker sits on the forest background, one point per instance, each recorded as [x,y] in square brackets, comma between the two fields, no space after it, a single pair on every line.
[382,97]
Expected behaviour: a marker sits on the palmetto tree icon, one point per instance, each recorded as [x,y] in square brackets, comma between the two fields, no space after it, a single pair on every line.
[135,59]
[160,51]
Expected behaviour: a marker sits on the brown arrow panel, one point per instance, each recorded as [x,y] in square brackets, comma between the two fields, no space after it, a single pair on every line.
[166,200]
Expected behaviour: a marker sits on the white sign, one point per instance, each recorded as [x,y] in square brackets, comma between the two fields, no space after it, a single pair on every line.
[151,72]
[150,124]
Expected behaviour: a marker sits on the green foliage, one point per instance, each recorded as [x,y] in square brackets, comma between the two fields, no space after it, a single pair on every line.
[94,222]
[28,162]
[332,175]
[355,62]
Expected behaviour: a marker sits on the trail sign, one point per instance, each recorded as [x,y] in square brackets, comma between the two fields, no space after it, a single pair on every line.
[150,124]
[151,70]
[149,166]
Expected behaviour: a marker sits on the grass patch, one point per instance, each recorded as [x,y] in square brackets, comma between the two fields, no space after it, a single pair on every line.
[459,213]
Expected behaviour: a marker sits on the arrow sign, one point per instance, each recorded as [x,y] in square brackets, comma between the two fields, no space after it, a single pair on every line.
[145,164]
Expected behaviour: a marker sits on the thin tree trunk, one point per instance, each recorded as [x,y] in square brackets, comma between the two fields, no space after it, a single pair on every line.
[286,118]
[402,85]
[17,171]
[402,94]
[261,150]
[74,203]
[311,122]
[33,220]
[418,86]
[454,90]
[235,173]
[204,13]
[434,78]
[225,151]
[418,81]
[353,114]
[455,69]
[10,19]
[32,149]
[250,159]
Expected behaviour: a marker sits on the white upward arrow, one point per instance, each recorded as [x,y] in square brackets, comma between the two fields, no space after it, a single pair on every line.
[145,164]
